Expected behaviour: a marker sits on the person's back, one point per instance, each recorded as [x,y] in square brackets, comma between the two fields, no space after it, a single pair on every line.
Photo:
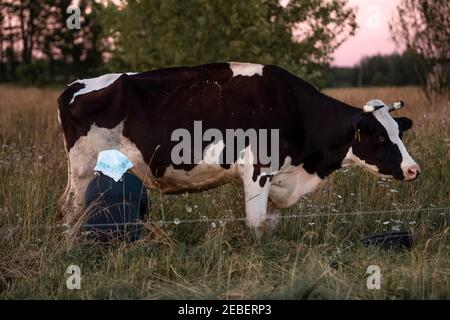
[115,209]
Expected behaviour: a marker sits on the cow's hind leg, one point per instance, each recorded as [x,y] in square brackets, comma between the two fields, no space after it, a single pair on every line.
[64,202]
[81,172]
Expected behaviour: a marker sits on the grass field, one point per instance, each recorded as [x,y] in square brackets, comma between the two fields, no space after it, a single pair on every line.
[307,258]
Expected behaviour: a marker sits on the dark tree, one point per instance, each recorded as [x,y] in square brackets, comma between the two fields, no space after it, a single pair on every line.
[300,36]
[37,47]
[423,28]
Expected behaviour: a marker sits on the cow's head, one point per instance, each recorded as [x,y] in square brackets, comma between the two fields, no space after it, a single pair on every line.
[378,145]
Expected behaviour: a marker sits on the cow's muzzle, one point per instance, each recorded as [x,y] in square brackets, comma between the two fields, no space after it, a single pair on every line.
[412,172]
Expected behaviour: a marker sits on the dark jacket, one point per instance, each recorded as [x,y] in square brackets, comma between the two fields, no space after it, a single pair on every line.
[115,208]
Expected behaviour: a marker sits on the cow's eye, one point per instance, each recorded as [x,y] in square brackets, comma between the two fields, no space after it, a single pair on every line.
[381,139]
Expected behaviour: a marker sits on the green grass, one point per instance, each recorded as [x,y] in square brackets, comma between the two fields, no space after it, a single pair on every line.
[311,257]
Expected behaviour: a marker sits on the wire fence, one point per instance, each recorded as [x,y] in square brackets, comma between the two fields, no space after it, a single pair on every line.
[443,211]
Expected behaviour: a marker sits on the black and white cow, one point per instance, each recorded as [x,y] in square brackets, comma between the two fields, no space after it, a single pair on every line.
[137,113]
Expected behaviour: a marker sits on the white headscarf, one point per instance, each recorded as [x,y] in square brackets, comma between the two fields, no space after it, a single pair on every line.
[113,163]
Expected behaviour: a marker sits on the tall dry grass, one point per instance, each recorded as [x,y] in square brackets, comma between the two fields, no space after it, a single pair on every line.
[310,257]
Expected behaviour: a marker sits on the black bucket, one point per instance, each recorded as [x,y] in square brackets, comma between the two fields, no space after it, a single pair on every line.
[115,209]
[390,240]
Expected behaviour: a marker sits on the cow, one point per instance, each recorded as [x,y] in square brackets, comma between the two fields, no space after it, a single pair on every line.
[137,114]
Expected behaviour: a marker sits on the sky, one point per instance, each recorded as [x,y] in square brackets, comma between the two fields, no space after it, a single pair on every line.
[372,35]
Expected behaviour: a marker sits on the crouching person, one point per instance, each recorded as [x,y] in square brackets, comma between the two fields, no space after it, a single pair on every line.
[116,201]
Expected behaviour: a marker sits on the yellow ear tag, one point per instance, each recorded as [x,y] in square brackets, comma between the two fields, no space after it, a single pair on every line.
[357,135]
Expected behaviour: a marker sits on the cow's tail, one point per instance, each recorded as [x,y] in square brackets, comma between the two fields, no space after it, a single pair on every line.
[64,101]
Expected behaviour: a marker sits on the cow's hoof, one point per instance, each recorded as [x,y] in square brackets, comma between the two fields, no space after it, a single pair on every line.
[267,228]
[259,232]
[272,221]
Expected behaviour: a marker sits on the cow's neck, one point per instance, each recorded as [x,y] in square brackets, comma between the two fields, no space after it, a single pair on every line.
[332,138]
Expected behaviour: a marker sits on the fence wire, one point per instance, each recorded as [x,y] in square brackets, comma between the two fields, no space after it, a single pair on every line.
[221,221]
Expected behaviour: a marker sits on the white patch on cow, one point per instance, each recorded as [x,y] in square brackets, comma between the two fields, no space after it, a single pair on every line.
[391,126]
[82,158]
[353,160]
[140,167]
[212,153]
[202,176]
[246,69]
[246,157]
[208,172]
[98,83]
[291,183]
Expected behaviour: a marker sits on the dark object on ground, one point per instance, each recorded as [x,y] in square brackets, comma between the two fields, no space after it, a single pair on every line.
[115,209]
[390,240]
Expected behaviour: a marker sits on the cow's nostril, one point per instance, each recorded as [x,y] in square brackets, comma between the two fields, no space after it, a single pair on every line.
[413,171]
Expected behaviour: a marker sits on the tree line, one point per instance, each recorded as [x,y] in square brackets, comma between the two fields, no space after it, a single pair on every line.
[37,47]
[380,70]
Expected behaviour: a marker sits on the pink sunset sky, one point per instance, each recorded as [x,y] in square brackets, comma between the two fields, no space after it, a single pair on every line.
[372,35]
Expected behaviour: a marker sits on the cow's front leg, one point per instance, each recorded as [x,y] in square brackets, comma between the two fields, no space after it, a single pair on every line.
[256,200]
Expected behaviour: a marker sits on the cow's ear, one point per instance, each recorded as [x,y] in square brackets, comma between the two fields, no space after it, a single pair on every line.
[404,123]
